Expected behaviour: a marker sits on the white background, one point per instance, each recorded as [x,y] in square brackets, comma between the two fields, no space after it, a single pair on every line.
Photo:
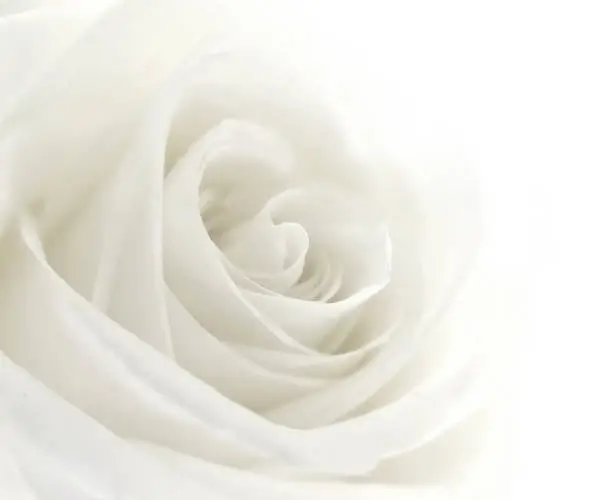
[525,87]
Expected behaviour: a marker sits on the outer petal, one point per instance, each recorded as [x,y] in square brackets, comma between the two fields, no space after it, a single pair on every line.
[56,128]
[31,40]
[446,240]
[57,452]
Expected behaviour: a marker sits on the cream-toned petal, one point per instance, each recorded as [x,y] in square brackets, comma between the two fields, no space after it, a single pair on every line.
[250,86]
[54,163]
[333,231]
[281,282]
[13,7]
[451,235]
[246,166]
[417,418]
[134,390]
[132,292]
[31,39]
[247,382]
[111,250]
[337,399]
[328,287]
[320,281]
[305,349]
[66,454]
[344,230]
[336,358]
[306,321]
[450,392]
[347,446]
[449,459]
[258,246]
[265,485]
[319,365]
[444,245]
[13,481]
[64,344]
[194,269]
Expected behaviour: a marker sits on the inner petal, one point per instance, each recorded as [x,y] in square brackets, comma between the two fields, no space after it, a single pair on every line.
[297,244]
[246,166]
[320,280]
[342,240]
[260,246]
[193,268]
[350,248]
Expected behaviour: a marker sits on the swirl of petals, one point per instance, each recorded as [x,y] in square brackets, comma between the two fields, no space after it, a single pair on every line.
[203,287]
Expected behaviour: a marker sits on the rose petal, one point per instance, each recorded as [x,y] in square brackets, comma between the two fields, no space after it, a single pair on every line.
[32,39]
[13,484]
[250,87]
[338,398]
[254,385]
[65,454]
[45,155]
[87,358]
[259,246]
[111,251]
[72,359]
[309,322]
[329,228]
[159,402]
[232,482]
[194,269]
[322,366]
[446,240]
[282,281]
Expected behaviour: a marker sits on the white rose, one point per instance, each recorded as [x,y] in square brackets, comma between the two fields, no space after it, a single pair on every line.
[207,290]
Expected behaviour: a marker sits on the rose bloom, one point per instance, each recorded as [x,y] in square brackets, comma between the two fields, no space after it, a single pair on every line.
[209,289]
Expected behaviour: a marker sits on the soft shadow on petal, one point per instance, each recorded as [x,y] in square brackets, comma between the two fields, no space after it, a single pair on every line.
[323,366]
[254,384]
[63,344]
[134,390]
[194,266]
[251,87]
[63,453]
[339,398]
[425,413]
[281,281]
[359,248]
[266,251]
[331,367]
[269,486]
[447,244]
[130,284]
[445,460]
[309,322]
[110,250]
